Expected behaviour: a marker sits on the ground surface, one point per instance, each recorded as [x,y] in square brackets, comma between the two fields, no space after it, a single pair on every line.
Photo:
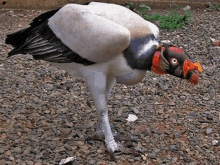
[45,114]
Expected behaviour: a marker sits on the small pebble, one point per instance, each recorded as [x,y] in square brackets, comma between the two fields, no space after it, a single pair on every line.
[215,142]
[209,116]
[152,155]
[92,162]
[182,98]
[205,98]
[187,8]
[131,160]
[172,104]
[1,151]
[174,159]
[38,163]
[136,110]
[144,157]
[173,148]
[17,150]
[208,131]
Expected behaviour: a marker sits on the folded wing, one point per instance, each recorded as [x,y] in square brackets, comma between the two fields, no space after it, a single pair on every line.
[84,34]
[93,37]
[137,26]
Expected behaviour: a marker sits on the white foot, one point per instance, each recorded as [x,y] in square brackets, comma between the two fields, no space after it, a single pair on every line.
[112,146]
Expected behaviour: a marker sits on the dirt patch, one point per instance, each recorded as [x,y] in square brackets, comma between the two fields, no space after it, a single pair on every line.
[46,114]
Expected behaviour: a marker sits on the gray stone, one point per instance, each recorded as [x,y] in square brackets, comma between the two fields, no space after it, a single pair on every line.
[173,148]
[136,110]
[182,98]
[152,155]
[209,116]
[17,150]
[208,130]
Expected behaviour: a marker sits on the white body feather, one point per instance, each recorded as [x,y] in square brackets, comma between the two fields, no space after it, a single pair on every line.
[100,33]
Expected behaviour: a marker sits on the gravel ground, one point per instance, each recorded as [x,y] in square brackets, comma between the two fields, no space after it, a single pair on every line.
[46,114]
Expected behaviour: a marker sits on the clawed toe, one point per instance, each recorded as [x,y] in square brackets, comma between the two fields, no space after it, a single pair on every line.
[116,149]
[128,150]
[98,137]
[129,138]
[124,150]
[118,137]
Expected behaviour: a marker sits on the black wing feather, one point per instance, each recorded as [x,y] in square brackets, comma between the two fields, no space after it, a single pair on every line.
[43,17]
[40,41]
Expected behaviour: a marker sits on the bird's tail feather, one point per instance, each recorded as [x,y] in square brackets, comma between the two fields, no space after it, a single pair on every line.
[17,40]
[20,38]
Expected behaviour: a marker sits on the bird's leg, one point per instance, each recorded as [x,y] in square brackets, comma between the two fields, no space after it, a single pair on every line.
[100,89]
[106,129]
[109,84]
[97,85]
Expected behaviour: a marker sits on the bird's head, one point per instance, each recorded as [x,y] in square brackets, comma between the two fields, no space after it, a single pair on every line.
[169,59]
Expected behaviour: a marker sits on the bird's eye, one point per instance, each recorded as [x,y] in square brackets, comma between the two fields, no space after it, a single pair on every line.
[174,61]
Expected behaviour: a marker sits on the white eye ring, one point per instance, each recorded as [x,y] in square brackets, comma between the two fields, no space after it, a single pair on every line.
[174,61]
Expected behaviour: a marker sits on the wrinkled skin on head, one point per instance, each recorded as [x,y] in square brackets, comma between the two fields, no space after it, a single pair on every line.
[176,62]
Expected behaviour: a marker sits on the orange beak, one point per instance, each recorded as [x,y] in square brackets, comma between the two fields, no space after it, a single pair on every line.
[188,66]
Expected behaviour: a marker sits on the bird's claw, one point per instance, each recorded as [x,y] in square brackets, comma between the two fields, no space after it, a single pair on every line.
[98,137]
[115,149]
[112,146]
[123,150]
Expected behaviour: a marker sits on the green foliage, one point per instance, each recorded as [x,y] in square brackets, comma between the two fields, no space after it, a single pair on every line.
[173,20]
[129,5]
[142,8]
[214,6]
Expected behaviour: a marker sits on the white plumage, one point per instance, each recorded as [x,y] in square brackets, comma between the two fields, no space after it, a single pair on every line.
[79,26]
[104,31]
[100,33]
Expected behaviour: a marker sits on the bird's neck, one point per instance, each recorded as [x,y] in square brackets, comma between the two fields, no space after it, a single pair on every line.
[139,54]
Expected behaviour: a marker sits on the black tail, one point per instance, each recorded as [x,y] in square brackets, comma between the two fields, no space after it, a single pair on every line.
[15,39]
[18,39]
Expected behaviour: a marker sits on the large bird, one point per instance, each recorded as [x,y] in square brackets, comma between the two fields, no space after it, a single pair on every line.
[102,43]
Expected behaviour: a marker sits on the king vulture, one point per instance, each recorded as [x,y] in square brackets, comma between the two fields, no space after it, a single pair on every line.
[102,43]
